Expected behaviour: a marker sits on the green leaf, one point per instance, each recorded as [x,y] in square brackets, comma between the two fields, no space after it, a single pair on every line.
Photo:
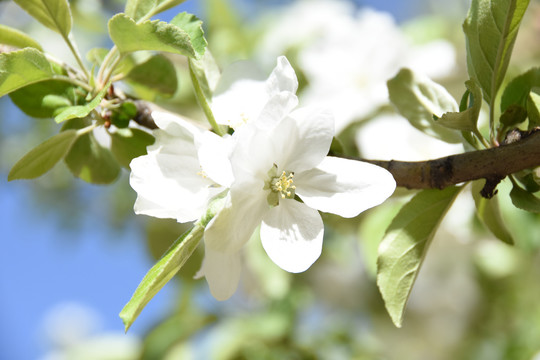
[168,265]
[155,76]
[129,144]
[145,9]
[418,98]
[161,273]
[45,98]
[16,38]
[149,35]
[524,200]
[43,157]
[54,14]
[87,159]
[517,91]
[22,67]
[533,110]
[465,120]
[80,111]
[193,26]
[489,213]
[490,29]
[405,244]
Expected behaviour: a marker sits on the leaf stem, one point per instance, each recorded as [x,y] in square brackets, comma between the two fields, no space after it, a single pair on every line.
[203,102]
[73,47]
[87,129]
[74,81]
[107,66]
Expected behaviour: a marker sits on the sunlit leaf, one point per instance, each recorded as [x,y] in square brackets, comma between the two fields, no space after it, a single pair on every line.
[45,98]
[88,160]
[418,99]
[489,213]
[490,29]
[405,244]
[43,157]
[193,26]
[54,14]
[465,120]
[80,111]
[22,67]
[145,9]
[167,266]
[149,35]
[517,90]
[129,144]
[16,38]
[524,200]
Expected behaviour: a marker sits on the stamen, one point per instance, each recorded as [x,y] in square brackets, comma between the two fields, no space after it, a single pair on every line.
[283,185]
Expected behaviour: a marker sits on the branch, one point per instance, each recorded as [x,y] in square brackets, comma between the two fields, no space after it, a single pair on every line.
[492,164]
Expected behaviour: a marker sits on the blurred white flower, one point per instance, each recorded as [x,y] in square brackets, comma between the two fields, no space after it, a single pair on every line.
[271,165]
[391,137]
[347,56]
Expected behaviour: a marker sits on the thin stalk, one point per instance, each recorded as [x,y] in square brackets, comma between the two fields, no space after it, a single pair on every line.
[203,103]
[87,129]
[77,55]
[74,81]
[105,64]
[111,68]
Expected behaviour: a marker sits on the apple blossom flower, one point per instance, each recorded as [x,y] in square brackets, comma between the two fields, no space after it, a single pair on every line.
[272,166]
[183,170]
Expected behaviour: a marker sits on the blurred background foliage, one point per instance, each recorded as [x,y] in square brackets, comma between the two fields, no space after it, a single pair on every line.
[475,298]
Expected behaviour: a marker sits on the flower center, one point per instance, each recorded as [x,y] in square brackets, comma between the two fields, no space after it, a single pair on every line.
[280,186]
[283,185]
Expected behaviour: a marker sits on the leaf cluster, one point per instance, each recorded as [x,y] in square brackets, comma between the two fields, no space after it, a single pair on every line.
[490,30]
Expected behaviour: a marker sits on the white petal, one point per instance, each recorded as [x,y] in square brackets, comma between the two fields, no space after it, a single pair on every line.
[253,155]
[292,235]
[169,186]
[344,187]
[213,152]
[175,125]
[277,107]
[302,140]
[222,272]
[232,227]
[282,78]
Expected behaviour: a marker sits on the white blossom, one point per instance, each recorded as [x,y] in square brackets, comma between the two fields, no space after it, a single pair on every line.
[347,55]
[271,165]
[182,171]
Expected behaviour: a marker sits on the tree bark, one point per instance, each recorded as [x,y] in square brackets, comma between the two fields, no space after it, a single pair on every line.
[492,164]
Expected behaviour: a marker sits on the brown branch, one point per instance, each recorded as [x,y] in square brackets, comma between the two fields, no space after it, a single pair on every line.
[492,164]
